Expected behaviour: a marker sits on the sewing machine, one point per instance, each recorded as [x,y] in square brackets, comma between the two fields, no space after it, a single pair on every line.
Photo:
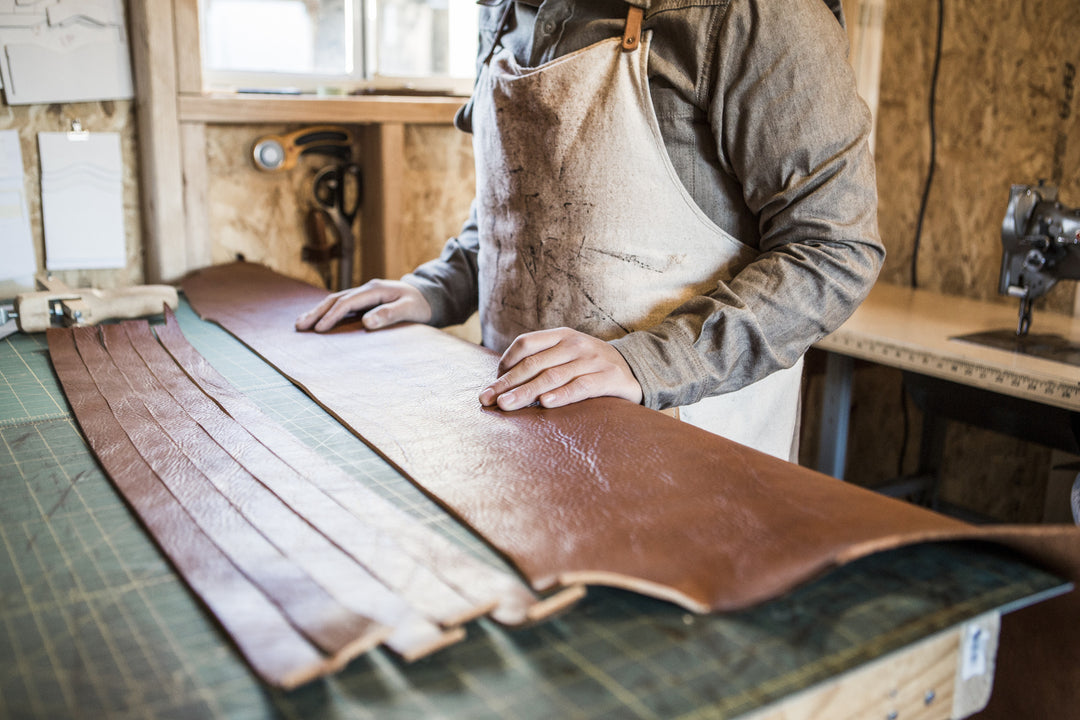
[1040,241]
[961,360]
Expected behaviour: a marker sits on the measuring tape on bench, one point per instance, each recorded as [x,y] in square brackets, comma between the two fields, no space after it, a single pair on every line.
[1049,391]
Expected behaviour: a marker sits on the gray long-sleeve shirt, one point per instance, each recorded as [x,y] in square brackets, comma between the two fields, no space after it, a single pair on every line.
[758,111]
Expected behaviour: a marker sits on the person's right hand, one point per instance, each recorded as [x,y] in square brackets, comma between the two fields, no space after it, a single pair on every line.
[385,301]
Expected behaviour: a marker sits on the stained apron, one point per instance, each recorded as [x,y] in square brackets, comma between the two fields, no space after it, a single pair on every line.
[584,223]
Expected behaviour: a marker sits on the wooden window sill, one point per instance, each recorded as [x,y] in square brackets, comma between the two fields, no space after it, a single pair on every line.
[225,108]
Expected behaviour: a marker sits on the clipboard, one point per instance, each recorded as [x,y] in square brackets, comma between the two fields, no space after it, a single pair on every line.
[18,264]
[82,202]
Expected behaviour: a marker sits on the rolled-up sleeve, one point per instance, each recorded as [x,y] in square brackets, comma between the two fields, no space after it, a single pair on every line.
[789,125]
[449,283]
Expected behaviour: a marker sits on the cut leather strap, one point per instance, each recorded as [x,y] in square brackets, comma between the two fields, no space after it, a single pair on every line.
[361,583]
[303,523]
[632,31]
[602,491]
[471,578]
[330,626]
[279,654]
[375,579]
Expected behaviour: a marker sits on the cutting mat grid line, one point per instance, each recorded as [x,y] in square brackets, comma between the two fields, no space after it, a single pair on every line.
[87,597]
[95,623]
[27,391]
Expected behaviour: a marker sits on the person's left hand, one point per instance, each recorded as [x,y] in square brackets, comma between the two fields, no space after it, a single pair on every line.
[558,367]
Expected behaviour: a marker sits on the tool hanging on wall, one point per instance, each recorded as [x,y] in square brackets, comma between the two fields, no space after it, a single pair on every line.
[276,153]
[337,194]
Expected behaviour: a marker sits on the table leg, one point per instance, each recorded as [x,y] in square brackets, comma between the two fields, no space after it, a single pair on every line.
[835,414]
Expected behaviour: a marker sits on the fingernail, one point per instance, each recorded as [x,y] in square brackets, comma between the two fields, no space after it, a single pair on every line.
[487,397]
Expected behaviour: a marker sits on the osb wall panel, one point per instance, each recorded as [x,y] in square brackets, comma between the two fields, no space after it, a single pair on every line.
[106,116]
[1005,114]
[255,214]
[440,183]
[261,215]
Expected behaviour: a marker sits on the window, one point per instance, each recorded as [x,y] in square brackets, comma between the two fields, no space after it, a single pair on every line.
[338,46]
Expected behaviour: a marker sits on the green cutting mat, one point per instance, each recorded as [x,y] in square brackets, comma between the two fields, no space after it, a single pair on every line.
[94,622]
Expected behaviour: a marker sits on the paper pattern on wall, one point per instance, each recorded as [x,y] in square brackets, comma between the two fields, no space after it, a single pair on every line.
[16,242]
[82,200]
[63,51]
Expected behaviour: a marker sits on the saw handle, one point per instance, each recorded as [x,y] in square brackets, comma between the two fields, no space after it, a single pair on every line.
[89,307]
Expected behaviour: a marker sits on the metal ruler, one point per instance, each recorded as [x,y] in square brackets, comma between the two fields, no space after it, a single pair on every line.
[1058,392]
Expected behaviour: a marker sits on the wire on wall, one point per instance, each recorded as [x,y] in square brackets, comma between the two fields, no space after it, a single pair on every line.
[933,147]
[922,212]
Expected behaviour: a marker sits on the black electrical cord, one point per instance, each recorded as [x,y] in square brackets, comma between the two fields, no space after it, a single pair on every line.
[922,214]
[933,148]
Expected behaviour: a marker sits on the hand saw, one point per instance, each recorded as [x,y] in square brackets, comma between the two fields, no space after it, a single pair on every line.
[58,305]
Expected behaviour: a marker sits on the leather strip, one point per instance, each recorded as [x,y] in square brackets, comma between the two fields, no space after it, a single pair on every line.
[330,626]
[207,465]
[403,587]
[334,548]
[269,643]
[603,491]
[471,578]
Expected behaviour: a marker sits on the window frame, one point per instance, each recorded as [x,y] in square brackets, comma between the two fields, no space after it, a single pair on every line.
[360,81]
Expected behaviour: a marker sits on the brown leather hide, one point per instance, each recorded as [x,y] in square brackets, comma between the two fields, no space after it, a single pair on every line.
[611,493]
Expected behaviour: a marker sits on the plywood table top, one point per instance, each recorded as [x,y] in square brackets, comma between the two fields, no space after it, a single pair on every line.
[916,330]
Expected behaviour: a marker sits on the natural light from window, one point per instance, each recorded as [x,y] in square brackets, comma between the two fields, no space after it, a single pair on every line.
[338,45]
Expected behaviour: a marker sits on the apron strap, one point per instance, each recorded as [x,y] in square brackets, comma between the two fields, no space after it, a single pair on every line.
[632,34]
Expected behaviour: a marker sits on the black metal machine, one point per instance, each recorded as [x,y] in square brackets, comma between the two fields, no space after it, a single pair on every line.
[1040,241]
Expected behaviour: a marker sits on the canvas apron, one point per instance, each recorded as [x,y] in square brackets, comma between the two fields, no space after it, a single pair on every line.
[584,223]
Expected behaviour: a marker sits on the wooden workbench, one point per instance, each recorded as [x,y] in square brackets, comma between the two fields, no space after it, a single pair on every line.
[94,622]
[915,331]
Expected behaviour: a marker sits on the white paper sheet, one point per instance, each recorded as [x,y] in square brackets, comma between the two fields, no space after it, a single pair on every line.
[63,51]
[82,200]
[92,70]
[16,243]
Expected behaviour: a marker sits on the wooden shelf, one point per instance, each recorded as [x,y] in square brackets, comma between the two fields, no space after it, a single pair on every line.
[348,109]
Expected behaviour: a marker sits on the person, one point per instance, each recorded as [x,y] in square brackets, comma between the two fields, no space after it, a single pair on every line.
[674,201]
